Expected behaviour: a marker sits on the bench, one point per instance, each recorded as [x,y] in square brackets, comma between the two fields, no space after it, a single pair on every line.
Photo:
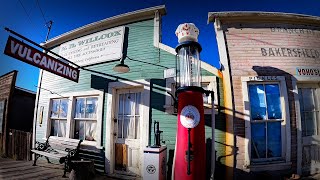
[64,150]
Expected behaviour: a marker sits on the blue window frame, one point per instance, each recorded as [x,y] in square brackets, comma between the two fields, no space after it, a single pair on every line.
[266,118]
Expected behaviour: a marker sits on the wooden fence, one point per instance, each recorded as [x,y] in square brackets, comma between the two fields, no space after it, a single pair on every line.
[19,145]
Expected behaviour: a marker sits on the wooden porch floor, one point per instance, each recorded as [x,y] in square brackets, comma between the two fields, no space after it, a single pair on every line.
[11,169]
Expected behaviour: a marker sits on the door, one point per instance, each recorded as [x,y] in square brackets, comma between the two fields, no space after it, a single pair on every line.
[309,111]
[127,131]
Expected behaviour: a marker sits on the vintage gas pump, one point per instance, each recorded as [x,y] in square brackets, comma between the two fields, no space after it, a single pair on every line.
[190,149]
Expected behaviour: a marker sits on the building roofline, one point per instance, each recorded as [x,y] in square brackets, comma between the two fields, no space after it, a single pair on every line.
[14,71]
[254,16]
[25,90]
[138,15]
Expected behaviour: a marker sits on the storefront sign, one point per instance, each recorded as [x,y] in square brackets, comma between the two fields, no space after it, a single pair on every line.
[30,55]
[95,48]
[263,78]
[308,71]
[290,52]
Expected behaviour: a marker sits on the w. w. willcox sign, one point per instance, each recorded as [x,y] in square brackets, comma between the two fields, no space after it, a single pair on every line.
[95,48]
[30,55]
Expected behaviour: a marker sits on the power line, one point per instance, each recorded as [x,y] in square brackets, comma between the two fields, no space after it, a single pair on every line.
[25,11]
[45,21]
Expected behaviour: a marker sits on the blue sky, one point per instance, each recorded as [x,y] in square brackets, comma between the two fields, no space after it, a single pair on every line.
[26,18]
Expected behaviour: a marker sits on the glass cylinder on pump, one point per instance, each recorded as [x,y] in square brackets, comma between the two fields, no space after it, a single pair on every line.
[189,64]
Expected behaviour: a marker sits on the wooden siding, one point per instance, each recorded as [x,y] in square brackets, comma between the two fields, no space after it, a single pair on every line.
[246,49]
[7,84]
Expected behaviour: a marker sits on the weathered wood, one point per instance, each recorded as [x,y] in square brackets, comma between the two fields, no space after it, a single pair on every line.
[18,145]
[119,156]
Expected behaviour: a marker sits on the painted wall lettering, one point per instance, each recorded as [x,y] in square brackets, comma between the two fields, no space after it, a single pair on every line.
[308,71]
[95,48]
[263,78]
[291,52]
[292,30]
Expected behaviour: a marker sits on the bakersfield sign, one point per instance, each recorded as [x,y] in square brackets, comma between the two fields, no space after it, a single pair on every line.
[30,55]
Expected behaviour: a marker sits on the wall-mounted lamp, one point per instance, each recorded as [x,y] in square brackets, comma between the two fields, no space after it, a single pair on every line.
[121,67]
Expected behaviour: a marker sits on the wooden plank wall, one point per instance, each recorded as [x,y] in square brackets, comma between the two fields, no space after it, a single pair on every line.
[7,83]
[269,50]
[19,145]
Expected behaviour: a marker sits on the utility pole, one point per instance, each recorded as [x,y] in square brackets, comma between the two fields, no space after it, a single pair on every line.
[35,118]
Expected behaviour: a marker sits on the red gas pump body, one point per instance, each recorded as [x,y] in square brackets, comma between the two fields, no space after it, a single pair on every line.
[190,104]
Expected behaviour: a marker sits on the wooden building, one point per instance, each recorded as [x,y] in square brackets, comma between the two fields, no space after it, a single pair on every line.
[271,84]
[113,112]
[15,123]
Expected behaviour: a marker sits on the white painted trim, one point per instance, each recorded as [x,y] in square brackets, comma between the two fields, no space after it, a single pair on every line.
[228,94]
[212,85]
[111,100]
[72,97]
[111,22]
[156,29]
[306,79]
[285,132]
[299,127]
[203,64]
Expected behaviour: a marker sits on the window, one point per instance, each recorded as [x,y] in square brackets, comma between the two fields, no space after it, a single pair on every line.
[266,118]
[129,115]
[78,115]
[309,108]
[208,83]
[58,117]
[85,118]
[267,142]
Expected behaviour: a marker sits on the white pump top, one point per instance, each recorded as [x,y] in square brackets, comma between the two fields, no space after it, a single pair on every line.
[187,32]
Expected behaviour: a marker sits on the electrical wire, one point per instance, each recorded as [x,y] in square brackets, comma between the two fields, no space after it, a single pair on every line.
[45,21]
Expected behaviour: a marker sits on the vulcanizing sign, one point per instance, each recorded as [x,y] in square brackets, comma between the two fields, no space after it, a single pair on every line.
[32,56]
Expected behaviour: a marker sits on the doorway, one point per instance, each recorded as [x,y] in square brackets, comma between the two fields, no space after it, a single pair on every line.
[309,100]
[127,130]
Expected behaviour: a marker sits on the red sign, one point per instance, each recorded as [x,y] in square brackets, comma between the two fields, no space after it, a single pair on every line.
[30,55]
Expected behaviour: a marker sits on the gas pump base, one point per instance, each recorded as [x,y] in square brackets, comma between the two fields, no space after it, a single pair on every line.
[155,163]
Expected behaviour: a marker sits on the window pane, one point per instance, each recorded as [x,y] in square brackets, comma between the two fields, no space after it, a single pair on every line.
[137,128]
[54,127]
[62,128]
[258,140]
[80,108]
[63,111]
[121,103]
[205,97]
[274,139]
[257,102]
[91,130]
[126,122]
[79,130]
[138,103]
[128,106]
[310,124]
[91,107]
[120,121]
[273,101]
[55,106]
[131,128]
[308,101]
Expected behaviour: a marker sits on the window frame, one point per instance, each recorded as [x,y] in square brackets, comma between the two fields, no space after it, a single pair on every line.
[212,85]
[285,123]
[71,112]
[317,103]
